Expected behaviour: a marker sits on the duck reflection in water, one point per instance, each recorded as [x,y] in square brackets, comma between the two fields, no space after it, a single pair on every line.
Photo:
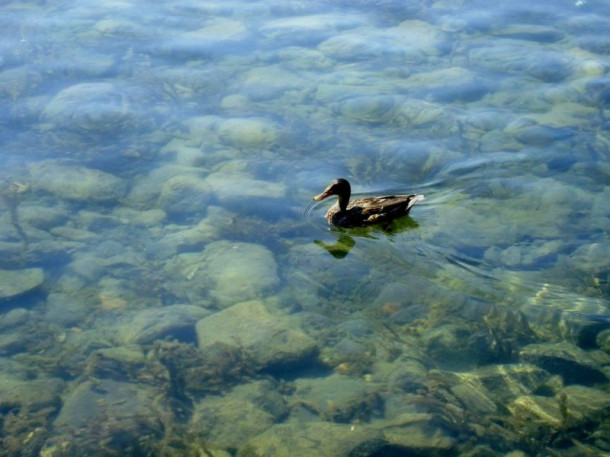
[346,239]
[364,215]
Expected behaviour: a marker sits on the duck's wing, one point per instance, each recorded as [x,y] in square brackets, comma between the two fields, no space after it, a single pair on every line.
[387,207]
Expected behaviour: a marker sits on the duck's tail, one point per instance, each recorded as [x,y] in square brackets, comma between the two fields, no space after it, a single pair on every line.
[414,200]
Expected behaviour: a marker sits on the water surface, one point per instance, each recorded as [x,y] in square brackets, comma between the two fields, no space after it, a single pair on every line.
[158,165]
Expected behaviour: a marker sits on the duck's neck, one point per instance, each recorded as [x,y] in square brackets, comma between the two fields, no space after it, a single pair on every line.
[343,201]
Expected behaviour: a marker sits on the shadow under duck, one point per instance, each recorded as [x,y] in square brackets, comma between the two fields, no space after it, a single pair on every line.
[364,211]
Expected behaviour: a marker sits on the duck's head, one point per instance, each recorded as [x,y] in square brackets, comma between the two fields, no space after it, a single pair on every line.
[339,187]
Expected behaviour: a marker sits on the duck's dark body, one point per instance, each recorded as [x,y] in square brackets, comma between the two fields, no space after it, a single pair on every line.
[364,211]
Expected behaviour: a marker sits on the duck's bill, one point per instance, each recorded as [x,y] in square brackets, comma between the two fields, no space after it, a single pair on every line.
[322,196]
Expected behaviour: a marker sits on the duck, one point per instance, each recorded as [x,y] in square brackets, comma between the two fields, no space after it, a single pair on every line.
[365,211]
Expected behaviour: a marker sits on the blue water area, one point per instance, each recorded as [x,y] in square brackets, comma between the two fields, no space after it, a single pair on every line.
[169,287]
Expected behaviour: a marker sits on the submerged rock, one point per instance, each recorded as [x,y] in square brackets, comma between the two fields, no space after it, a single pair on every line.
[534,60]
[525,255]
[572,363]
[531,132]
[143,218]
[600,215]
[421,35]
[118,27]
[311,28]
[67,310]
[602,340]
[573,407]
[42,217]
[397,298]
[447,344]
[99,417]
[248,193]
[119,363]
[227,272]
[530,32]
[16,82]
[370,109]
[548,67]
[411,39]
[596,43]
[193,372]
[19,392]
[585,403]
[508,380]
[266,83]
[76,182]
[24,331]
[228,422]
[592,257]
[475,398]
[231,420]
[96,107]
[321,439]
[17,282]
[505,332]
[544,410]
[366,43]
[187,82]
[28,407]
[572,316]
[270,341]
[338,398]
[16,318]
[358,45]
[433,117]
[311,271]
[218,36]
[408,375]
[185,194]
[145,189]
[419,434]
[175,322]
[349,356]
[447,85]
[218,31]
[488,390]
[248,132]
[191,238]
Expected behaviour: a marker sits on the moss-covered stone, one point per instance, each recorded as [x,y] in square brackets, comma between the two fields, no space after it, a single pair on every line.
[185,194]
[418,433]
[18,392]
[76,182]
[226,272]
[321,439]
[229,421]
[248,132]
[148,325]
[567,360]
[120,363]
[338,398]
[108,414]
[17,282]
[96,107]
[268,340]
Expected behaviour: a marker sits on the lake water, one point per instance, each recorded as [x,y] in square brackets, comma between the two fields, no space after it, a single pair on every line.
[168,286]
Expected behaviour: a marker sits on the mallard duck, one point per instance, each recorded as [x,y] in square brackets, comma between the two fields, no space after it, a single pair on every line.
[364,211]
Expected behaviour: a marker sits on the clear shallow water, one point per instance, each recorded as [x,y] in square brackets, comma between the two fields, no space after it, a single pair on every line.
[158,165]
